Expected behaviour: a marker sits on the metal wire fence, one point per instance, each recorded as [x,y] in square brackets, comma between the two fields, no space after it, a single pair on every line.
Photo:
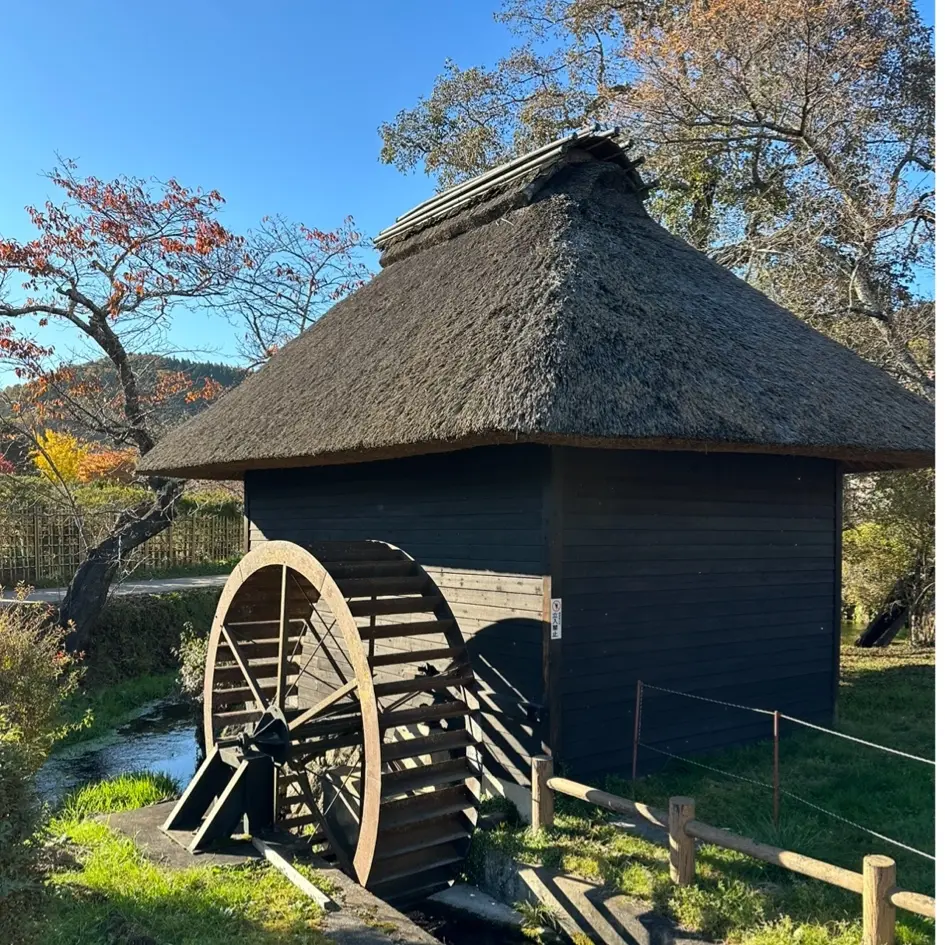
[773,786]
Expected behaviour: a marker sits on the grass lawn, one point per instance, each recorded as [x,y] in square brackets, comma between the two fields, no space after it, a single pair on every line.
[885,697]
[95,711]
[106,893]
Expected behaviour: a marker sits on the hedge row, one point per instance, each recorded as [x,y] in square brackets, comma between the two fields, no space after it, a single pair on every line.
[139,634]
[28,491]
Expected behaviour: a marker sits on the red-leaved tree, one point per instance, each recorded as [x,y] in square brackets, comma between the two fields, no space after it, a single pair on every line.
[115,260]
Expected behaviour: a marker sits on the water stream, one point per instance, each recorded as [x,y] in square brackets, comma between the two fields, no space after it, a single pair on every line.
[162,737]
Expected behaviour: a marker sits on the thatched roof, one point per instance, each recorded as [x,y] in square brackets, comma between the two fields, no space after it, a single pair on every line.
[553,309]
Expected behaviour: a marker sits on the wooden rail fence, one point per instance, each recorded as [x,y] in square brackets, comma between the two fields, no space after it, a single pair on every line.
[39,546]
[876,884]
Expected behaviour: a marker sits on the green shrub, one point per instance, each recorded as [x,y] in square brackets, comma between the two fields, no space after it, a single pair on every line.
[36,676]
[874,556]
[192,657]
[141,634]
[889,546]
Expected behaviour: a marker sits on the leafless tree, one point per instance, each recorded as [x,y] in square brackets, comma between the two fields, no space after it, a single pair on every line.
[293,275]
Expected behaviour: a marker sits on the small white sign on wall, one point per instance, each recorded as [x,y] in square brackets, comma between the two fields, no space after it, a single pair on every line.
[555,618]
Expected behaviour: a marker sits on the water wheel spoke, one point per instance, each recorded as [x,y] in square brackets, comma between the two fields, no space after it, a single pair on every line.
[312,602]
[322,639]
[283,634]
[323,704]
[243,664]
[319,649]
[336,843]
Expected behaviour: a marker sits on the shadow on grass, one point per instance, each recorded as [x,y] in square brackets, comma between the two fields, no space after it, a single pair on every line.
[599,913]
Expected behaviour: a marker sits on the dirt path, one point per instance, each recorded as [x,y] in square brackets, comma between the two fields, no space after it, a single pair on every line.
[53,595]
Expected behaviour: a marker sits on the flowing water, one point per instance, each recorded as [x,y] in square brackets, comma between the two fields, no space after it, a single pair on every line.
[162,738]
[454,929]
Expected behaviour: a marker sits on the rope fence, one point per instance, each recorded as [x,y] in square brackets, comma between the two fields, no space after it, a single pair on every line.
[859,741]
[852,823]
[690,695]
[774,786]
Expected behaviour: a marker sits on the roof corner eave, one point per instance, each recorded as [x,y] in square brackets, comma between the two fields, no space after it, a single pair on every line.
[851,459]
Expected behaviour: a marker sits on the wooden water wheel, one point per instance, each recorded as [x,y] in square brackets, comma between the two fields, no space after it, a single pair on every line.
[338,706]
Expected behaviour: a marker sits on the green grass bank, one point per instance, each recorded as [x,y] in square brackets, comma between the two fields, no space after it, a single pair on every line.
[103,891]
[134,659]
[885,697]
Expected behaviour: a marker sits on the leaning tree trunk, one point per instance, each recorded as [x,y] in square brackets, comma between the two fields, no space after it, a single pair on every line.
[882,629]
[910,598]
[88,590]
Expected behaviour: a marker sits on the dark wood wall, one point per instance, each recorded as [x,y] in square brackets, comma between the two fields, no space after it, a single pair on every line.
[474,521]
[715,574]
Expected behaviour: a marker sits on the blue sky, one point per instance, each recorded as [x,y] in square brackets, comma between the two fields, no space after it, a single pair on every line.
[275,104]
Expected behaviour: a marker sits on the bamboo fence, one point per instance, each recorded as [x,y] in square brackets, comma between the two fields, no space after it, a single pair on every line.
[40,546]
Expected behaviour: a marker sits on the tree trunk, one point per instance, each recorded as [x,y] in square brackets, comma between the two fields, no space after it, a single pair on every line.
[908,600]
[85,598]
[88,590]
[882,629]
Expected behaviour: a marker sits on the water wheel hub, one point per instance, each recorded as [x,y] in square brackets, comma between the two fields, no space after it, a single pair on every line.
[269,738]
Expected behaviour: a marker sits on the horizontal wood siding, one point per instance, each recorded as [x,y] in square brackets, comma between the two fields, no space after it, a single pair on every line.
[712,574]
[473,520]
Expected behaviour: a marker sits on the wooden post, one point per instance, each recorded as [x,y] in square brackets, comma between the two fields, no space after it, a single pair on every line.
[879,914]
[543,801]
[37,550]
[682,848]
[776,773]
[636,726]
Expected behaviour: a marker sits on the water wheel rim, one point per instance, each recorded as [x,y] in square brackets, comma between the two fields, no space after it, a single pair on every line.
[291,556]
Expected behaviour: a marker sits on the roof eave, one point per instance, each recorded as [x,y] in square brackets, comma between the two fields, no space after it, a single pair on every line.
[853,459]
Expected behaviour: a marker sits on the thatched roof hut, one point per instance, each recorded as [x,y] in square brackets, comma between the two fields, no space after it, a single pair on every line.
[563,405]
[553,310]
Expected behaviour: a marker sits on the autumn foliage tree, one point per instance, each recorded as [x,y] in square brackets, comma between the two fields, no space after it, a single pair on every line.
[115,261]
[58,456]
[792,141]
[108,466]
